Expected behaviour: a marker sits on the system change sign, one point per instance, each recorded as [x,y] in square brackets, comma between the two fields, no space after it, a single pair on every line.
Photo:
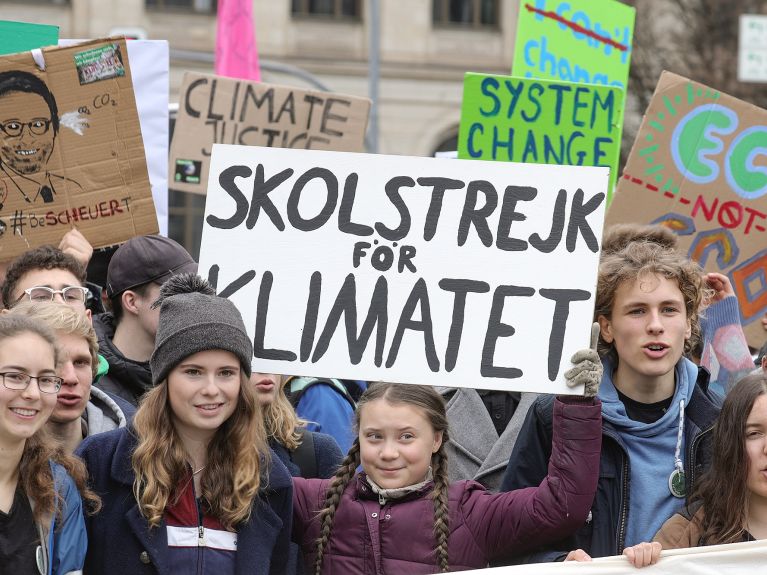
[417,270]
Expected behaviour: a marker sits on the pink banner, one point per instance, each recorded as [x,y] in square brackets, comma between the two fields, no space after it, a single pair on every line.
[236,52]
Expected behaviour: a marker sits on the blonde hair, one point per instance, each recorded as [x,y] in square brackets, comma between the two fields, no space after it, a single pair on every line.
[237,456]
[35,474]
[432,405]
[281,420]
[65,319]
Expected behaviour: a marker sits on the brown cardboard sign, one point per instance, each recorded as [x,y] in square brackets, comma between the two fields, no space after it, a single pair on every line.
[219,110]
[71,153]
[699,166]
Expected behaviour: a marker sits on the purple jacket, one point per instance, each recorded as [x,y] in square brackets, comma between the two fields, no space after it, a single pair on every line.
[369,539]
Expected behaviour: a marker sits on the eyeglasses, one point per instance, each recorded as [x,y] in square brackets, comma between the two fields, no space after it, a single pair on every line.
[72,295]
[37,126]
[19,381]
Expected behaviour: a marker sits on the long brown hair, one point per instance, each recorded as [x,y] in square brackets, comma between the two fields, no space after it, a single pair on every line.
[35,474]
[281,420]
[722,489]
[236,459]
[433,407]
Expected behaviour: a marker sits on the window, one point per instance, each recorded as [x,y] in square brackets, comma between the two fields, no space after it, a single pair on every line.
[336,9]
[468,13]
[200,6]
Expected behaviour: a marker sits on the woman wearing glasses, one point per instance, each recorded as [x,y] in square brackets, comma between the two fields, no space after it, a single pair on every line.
[42,530]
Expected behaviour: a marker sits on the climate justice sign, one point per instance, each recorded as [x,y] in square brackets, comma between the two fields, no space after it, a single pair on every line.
[417,270]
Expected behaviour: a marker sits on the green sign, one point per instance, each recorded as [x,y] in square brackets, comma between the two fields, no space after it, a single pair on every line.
[524,120]
[20,36]
[587,41]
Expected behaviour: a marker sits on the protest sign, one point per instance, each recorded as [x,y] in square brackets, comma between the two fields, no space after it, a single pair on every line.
[699,166]
[71,153]
[731,559]
[214,109]
[418,270]
[150,66]
[539,121]
[585,41]
[20,36]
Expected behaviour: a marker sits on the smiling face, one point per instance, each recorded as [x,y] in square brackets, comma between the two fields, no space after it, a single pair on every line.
[24,412]
[203,390]
[756,448]
[396,443]
[27,152]
[75,367]
[648,327]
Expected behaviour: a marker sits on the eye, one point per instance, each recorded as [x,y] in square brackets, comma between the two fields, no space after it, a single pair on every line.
[192,372]
[13,125]
[636,311]
[16,377]
[82,363]
[227,373]
[407,436]
[754,434]
[37,123]
[670,309]
[372,436]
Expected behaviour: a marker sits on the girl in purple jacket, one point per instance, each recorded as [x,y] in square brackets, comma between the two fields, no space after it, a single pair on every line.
[400,514]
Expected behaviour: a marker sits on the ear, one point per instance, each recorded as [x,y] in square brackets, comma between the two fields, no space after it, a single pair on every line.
[437,442]
[688,331]
[605,329]
[89,315]
[129,301]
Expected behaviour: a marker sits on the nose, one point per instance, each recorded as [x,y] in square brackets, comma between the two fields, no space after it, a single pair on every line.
[58,297]
[68,374]
[389,450]
[210,387]
[32,392]
[654,323]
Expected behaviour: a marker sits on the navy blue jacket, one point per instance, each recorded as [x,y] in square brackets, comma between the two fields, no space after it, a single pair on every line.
[119,538]
[604,531]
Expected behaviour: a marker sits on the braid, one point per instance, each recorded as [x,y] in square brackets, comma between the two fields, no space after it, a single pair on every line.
[336,488]
[441,510]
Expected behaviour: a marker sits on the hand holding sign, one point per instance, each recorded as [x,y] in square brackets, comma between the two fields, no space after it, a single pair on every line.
[587,370]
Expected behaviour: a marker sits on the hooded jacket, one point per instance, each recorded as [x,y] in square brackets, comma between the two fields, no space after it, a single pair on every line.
[604,532]
[369,537]
[121,541]
[65,539]
[105,413]
[126,378]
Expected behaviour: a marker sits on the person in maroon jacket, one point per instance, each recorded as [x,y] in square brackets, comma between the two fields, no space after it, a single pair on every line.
[401,515]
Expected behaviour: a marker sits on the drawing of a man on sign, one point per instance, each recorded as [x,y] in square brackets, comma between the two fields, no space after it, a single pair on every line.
[29,123]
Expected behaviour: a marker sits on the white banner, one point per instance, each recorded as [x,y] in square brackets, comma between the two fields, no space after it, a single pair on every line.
[732,559]
[418,270]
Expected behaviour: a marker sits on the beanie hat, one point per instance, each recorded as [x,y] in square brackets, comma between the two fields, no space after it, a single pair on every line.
[193,319]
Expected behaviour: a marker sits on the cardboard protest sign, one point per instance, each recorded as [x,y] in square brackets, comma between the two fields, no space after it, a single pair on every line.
[699,166]
[585,41]
[214,109]
[396,268]
[20,36]
[729,559]
[70,149]
[539,121]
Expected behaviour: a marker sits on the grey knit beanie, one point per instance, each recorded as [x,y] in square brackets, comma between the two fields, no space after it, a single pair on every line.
[194,319]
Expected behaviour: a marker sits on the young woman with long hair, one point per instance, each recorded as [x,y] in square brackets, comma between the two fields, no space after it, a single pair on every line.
[190,487]
[41,512]
[402,515]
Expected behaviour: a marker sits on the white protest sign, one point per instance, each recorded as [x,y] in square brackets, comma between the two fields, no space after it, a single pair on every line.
[731,559]
[416,270]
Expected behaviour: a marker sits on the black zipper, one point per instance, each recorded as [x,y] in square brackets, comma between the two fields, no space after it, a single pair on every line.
[200,534]
[691,453]
[624,506]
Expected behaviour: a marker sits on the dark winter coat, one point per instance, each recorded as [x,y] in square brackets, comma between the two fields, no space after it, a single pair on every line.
[398,537]
[602,535]
[119,538]
[126,378]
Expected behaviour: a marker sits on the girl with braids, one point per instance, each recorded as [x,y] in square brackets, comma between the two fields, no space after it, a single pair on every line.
[401,514]
[729,504]
[41,516]
[191,486]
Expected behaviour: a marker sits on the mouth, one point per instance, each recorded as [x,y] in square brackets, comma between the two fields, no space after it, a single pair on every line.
[69,400]
[389,471]
[209,409]
[24,413]
[27,152]
[656,349]
[265,384]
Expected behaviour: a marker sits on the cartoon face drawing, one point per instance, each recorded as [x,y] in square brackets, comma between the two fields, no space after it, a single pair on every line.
[27,135]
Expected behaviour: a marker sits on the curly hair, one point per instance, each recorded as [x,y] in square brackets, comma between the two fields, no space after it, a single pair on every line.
[432,405]
[35,473]
[237,457]
[41,258]
[645,258]
[722,489]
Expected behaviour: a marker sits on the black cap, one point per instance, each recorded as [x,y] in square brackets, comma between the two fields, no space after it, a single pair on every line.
[146,259]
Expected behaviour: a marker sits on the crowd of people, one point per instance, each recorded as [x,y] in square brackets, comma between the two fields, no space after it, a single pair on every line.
[141,440]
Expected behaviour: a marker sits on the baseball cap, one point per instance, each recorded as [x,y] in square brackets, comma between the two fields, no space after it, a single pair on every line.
[145,259]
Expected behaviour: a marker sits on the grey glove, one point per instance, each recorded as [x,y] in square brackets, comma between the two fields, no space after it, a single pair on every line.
[587,367]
